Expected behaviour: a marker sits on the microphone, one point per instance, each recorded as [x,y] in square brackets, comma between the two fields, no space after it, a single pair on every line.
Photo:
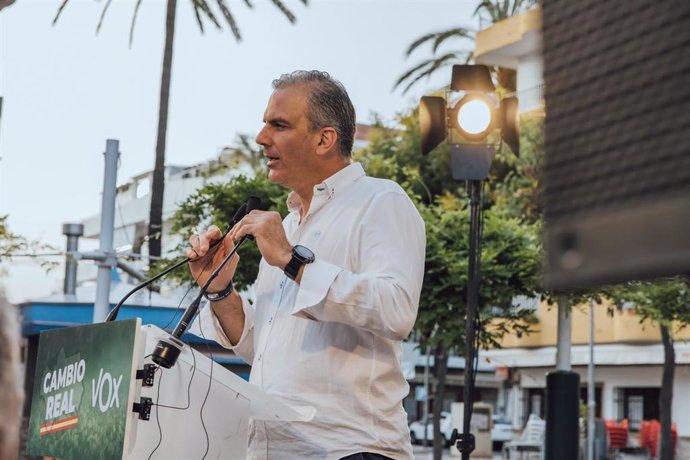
[244,209]
[168,350]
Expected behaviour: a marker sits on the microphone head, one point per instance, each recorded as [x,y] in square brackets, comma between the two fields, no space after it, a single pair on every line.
[253,203]
[239,214]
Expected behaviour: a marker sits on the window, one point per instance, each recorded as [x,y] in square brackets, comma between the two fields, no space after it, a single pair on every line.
[639,404]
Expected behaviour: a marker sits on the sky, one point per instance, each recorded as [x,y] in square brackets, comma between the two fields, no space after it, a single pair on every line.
[66,90]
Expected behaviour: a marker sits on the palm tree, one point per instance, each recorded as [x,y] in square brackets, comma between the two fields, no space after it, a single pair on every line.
[496,10]
[201,9]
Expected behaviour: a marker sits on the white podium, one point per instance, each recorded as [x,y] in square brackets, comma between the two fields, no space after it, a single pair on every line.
[219,430]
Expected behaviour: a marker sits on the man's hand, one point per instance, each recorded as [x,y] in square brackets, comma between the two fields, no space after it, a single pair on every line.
[204,259]
[267,228]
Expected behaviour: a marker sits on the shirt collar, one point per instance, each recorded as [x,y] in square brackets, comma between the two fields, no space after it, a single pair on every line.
[335,183]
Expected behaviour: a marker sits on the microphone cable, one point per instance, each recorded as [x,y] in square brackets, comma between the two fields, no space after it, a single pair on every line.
[239,214]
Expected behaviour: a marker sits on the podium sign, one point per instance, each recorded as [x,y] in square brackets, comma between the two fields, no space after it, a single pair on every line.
[81,395]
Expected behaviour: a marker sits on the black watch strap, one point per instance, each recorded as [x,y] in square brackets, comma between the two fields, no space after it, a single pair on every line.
[300,256]
[215,296]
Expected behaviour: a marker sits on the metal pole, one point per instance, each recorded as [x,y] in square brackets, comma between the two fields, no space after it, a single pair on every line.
[426,389]
[562,436]
[564,335]
[72,232]
[475,188]
[102,303]
[591,402]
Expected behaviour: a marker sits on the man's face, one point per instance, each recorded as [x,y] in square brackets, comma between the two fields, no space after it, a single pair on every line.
[286,138]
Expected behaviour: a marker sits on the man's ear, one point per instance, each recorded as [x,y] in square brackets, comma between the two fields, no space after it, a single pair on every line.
[327,141]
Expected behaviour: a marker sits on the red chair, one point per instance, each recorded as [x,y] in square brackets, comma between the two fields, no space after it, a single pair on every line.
[649,435]
[617,434]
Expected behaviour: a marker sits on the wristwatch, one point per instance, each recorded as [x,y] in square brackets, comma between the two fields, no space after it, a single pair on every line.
[215,296]
[300,256]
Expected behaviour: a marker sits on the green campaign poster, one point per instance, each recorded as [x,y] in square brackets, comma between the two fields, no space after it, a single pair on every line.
[81,389]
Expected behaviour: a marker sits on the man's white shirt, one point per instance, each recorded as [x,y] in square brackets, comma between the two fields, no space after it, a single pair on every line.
[334,340]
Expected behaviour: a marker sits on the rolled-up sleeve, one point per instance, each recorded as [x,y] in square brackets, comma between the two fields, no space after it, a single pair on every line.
[380,292]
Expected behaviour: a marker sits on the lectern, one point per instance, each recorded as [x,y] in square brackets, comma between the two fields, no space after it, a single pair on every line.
[98,395]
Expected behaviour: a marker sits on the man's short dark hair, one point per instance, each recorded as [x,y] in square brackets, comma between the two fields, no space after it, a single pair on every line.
[329,104]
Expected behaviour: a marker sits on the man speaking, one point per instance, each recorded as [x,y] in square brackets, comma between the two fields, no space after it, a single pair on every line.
[338,285]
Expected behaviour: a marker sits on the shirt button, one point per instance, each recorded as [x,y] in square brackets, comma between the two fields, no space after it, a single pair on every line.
[270,320]
[260,355]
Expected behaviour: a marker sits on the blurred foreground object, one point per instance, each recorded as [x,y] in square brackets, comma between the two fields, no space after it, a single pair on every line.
[617,163]
[11,395]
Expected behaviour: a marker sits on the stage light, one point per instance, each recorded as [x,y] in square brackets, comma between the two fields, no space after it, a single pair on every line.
[477,113]
[473,116]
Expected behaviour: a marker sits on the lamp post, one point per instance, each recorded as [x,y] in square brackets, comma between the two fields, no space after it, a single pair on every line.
[466,125]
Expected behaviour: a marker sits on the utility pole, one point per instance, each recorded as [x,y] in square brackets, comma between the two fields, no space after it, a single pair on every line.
[108,259]
[105,256]
[591,395]
[562,437]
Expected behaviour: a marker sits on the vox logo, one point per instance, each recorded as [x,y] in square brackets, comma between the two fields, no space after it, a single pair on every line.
[105,391]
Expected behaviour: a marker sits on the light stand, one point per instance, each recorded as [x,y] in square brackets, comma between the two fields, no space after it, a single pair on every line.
[473,118]
[466,441]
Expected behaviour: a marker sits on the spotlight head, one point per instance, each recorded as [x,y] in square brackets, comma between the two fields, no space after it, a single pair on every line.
[474,116]
[510,124]
[432,122]
[472,78]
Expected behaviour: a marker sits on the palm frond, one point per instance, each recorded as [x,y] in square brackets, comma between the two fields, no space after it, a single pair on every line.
[134,19]
[420,41]
[516,7]
[489,7]
[100,21]
[305,2]
[205,8]
[249,4]
[433,65]
[197,11]
[59,11]
[229,18]
[283,9]
[460,32]
[505,8]
[407,74]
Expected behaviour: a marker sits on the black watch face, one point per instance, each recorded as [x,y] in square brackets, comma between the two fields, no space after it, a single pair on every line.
[303,253]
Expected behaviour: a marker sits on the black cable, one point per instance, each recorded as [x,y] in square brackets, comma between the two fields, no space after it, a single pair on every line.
[158,422]
[208,391]
[179,304]
[241,211]
[189,387]
[158,393]
[184,296]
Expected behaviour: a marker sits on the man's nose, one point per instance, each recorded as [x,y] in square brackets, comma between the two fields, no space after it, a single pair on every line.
[262,138]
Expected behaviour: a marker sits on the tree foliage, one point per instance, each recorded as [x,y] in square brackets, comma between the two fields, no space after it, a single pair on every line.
[203,12]
[509,266]
[666,302]
[216,203]
[9,242]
